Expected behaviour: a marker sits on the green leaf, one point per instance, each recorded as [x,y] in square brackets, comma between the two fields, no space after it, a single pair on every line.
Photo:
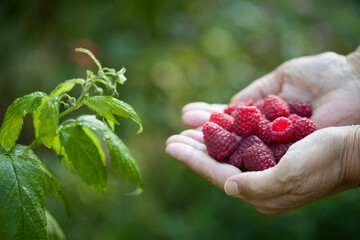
[52,182]
[60,152]
[85,156]
[14,117]
[91,55]
[107,106]
[98,108]
[66,86]
[46,120]
[121,158]
[54,232]
[22,198]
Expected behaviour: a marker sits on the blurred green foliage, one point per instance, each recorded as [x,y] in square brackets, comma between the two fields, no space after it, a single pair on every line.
[175,52]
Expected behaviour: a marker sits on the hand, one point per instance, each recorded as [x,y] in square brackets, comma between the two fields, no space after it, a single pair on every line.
[321,164]
[336,79]
[330,82]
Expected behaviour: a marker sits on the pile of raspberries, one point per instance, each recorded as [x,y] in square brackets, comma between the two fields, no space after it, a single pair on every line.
[254,136]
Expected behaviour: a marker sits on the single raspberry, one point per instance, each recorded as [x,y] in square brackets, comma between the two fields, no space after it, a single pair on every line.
[293,117]
[300,107]
[262,130]
[223,120]
[219,142]
[246,120]
[231,108]
[279,149]
[275,107]
[258,157]
[280,130]
[302,128]
[260,104]
[235,159]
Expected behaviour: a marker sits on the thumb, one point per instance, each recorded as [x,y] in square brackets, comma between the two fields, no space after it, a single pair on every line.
[254,185]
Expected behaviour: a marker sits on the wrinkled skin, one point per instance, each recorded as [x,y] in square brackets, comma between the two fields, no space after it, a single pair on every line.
[324,163]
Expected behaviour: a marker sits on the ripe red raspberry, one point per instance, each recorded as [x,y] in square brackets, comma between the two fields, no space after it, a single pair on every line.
[260,104]
[219,142]
[302,128]
[300,107]
[235,159]
[231,108]
[280,130]
[275,107]
[279,149]
[258,157]
[248,142]
[246,120]
[293,117]
[223,120]
[262,130]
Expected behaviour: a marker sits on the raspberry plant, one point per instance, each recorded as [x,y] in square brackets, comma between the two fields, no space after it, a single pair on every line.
[25,178]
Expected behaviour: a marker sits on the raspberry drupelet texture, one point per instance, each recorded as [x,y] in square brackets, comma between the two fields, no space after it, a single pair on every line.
[302,128]
[246,120]
[235,159]
[293,117]
[279,149]
[280,130]
[219,142]
[248,142]
[300,107]
[231,108]
[258,157]
[262,130]
[223,120]
[260,104]
[275,107]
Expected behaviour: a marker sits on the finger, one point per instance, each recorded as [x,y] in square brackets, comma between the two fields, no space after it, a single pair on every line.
[204,107]
[254,185]
[188,141]
[195,134]
[203,164]
[336,113]
[260,88]
[321,117]
[196,118]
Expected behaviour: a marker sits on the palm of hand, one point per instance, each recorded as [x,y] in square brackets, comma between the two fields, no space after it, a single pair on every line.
[333,90]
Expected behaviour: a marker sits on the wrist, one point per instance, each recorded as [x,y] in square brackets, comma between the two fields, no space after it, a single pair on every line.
[354,61]
[351,157]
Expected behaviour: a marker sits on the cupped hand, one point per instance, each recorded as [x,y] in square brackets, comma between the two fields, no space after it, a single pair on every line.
[323,163]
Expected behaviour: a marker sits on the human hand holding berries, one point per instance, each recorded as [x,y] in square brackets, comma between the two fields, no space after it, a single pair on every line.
[331,83]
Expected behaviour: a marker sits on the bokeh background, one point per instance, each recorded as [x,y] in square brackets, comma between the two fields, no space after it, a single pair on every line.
[175,52]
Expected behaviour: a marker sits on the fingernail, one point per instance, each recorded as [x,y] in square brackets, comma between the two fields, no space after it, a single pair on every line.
[231,189]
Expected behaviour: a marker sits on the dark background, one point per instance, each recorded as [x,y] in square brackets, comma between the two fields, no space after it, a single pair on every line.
[175,52]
